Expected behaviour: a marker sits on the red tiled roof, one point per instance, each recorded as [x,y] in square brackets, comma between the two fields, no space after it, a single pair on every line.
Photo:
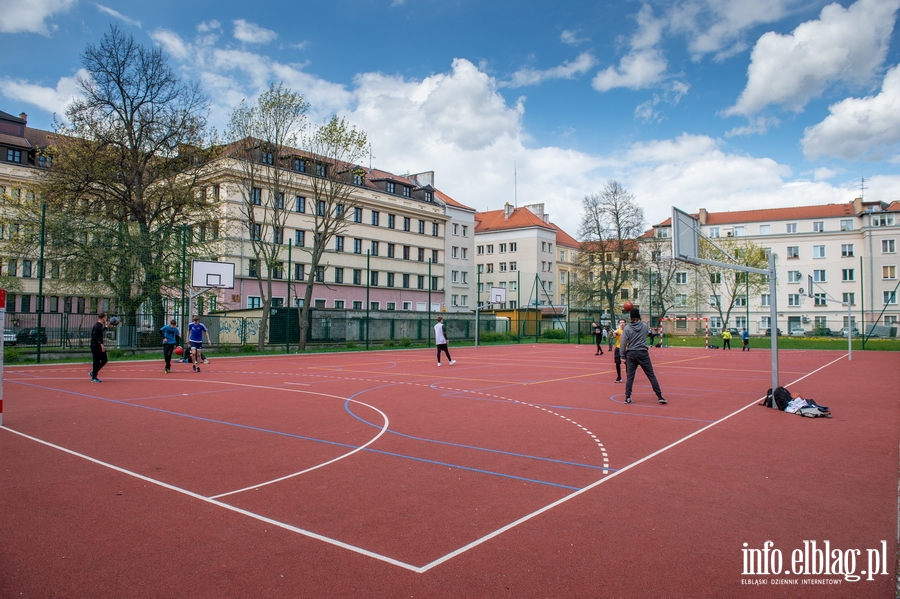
[495,220]
[564,239]
[445,198]
[797,212]
[14,140]
[894,207]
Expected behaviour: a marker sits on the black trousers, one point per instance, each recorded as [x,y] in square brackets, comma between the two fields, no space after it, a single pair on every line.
[168,348]
[100,359]
[633,359]
[442,347]
[617,356]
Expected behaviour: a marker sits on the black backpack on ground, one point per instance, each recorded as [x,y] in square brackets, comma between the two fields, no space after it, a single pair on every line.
[781,396]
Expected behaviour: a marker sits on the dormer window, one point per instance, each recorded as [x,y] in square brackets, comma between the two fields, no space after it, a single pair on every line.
[299,165]
[429,197]
[13,155]
[267,158]
[357,179]
[389,187]
[320,170]
[44,161]
[406,191]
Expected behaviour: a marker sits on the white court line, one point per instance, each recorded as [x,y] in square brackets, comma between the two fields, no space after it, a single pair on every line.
[384,558]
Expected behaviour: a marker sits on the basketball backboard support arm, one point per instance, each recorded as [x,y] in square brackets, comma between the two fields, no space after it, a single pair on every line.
[686,247]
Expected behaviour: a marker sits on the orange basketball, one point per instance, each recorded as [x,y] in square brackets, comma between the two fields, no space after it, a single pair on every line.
[627,307]
[179,350]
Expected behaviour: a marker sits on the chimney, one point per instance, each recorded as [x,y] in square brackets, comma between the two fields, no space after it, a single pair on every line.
[423,179]
[857,206]
[507,210]
[703,216]
[24,117]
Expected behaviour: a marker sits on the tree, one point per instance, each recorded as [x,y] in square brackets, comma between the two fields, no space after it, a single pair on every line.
[125,176]
[263,138]
[726,289]
[660,271]
[610,225]
[334,149]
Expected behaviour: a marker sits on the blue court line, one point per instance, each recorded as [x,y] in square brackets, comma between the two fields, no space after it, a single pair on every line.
[301,437]
[460,445]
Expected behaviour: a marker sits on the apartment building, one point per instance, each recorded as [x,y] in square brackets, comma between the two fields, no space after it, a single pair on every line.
[516,249]
[393,254]
[849,250]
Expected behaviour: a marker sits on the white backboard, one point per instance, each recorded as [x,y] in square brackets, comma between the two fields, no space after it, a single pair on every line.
[205,273]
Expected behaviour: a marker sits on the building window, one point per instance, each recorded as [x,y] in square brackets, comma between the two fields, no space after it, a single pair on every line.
[714,231]
[715,278]
[299,272]
[887,272]
[490,267]
[13,155]
[338,276]
[819,276]
[376,218]
[406,223]
[890,297]
[299,165]
[503,267]
[390,250]
[407,306]
[849,298]
[434,256]
[454,252]
[490,249]
[373,278]
[454,276]
[405,282]
[392,221]
[357,179]
[847,224]
[454,300]
[464,253]
[847,274]
[455,229]
[406,249]
[357,246]
[888,246]
[681,278]
[846,250]
[512,266]
[421,254]
[434,283]
[320,170]
[764,300]
[389,187]
[277,235]
[882,220]
[434,229]
[465,233]
[791,228]
[26,272]
[339,243]
[793,299]
[765,229]
[253,268]
[793,251]
[421,227]
[357,276]
[253,302]
[479,250]
[278,271]
[390,282]
[421,281]
[739,231]
[374,250]
[818,251]
[820,299]
[256,196]
[818,226]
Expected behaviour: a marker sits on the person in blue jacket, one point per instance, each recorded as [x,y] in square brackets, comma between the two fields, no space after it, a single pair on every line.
[170,341]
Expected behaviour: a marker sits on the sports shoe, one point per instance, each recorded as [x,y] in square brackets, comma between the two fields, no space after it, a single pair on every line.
[205,361]
[452,362]
[95,380]
[168,371]
[91,374]
[662,400]
[198,369]
[195,368]
[617,381]
[627,400]
[597,354]
[439,363]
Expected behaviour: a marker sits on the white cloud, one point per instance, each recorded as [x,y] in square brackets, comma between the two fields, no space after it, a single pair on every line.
[568,70]
[644,65]
[756,126]
[859,126]
[172,43]
[53,100]
[647,112]
[571,38]
[252,33]
[117,15]
[843,45]
[822,174]
[720,26]
[208,26]
[21,16]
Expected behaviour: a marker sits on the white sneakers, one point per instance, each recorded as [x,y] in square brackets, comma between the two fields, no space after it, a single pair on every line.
[452,362]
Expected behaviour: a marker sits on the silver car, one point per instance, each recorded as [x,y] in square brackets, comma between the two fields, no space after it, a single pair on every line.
[9,337]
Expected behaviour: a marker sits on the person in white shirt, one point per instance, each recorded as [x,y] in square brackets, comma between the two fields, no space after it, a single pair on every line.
[440,338]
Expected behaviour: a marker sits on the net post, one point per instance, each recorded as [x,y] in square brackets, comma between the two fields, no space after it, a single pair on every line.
[3,321]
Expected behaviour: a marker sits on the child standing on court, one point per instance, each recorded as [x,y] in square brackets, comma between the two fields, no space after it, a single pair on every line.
[170,340]
[617,356]
[440,338]
[98,349]
[197,329]
[745,337]
[634,349]
[598,334]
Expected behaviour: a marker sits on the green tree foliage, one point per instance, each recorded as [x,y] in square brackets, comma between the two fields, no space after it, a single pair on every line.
[125,177]
[263,138]
[723,289]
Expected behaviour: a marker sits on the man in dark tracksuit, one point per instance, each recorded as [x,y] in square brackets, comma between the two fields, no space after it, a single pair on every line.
[635,352]
[98,350]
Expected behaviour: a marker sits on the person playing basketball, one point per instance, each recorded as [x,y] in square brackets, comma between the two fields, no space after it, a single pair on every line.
[617,356]
[634,350]
[196,331]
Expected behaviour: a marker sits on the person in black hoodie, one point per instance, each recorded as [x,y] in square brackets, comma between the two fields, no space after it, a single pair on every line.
[634,350]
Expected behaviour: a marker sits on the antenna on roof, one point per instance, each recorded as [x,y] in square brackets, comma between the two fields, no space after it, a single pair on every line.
[370,156]
[515,186]
[862,187]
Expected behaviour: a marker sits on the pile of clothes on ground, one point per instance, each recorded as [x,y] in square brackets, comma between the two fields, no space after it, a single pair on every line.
[794,404]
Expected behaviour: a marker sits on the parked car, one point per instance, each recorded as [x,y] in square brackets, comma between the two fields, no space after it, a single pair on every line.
[845,330]
[31,336]
[821,332]
[797,332]
[777,332]
[9,337]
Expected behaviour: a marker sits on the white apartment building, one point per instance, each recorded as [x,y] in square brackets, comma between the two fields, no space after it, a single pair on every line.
[516,249]
[850,250]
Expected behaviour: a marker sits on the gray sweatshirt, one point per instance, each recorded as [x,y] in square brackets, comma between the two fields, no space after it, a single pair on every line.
[634,337]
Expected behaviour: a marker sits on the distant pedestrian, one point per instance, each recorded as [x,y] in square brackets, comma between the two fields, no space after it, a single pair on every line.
[170,341]
[617,356]
[196,331]
[440,338]
[98,349]
[745,337]
[597,332]
[634,348]
[726,339]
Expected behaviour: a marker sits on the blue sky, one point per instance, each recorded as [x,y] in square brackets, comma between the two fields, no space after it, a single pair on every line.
[716,104]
